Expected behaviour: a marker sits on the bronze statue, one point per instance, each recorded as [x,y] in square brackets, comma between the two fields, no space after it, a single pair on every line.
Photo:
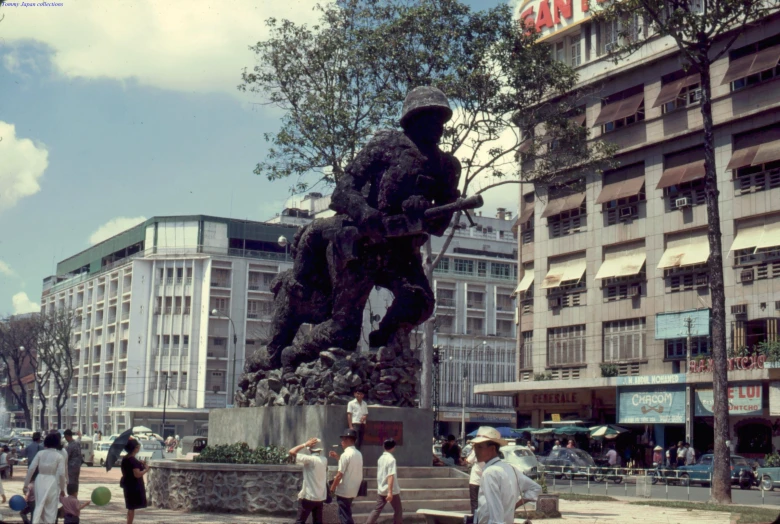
[400,188]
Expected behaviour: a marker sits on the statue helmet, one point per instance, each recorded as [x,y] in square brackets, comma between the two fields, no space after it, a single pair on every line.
[425,98]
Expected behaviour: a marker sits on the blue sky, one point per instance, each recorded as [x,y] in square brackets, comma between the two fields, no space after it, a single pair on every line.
[116,111]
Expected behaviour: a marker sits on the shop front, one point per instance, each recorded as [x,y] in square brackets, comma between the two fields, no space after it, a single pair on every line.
[450,421]
[751,432]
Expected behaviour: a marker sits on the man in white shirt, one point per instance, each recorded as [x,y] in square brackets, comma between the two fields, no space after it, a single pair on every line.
[612,456]
[387,487]
[315,479]
[681,453]
[346,484]
[690,455]
[474,479]
[357,414]
[502,484]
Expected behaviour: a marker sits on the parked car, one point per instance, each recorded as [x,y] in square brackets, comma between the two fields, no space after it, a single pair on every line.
[701,472]
[101,454]
[768,478]
[151,448]
[566,463]
[87,451]
[522,457]
[189,447]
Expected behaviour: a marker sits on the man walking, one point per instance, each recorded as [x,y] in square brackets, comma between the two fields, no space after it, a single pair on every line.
[74,460]
[387,487]
[33,448]
[346,484]
[502,484]
[357,414]
[315,480]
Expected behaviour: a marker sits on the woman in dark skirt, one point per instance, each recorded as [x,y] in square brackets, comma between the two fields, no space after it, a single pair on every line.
[133,471]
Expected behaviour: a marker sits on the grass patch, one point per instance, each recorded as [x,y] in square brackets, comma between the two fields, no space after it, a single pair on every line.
[592,498]
[743,514]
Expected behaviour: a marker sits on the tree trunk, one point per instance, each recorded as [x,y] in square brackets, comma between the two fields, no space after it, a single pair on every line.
[27,417]
[426,382]
[721,470]
[42,416]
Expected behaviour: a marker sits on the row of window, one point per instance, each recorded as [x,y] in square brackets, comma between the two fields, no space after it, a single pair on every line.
[479,268]
[622,341]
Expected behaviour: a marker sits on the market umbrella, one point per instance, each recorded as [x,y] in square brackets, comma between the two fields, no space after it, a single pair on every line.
[116,449]
[544,431]
[570,430]
[141,429]
[524,430]
[606,431]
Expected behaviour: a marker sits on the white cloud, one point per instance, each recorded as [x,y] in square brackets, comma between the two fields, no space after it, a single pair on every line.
[185,45]
[114,227]
[6,270]
[22,165]
[22,304]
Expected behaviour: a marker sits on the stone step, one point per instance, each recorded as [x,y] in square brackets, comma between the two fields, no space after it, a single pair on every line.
[427,494]
[387,517]
[426,483]
[365,505]
[425,472]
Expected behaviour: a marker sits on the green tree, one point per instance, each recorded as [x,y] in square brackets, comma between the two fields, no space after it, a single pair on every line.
[704,31]
[18,340]
[340,81]
[57,356]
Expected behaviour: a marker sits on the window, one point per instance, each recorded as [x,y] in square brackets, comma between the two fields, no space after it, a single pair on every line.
[687,194]
[753,64]
[687,278]
[220,304]
[609,36]
[464,267]
[504,328]
[445,297]
[624,340]
[752,179]
[567,295]
[186,340]
[475,326]
[559,51]
[622,191]
[444,324]
[481,268]
[443,265]
[676,347]
[475,300]
[526,350]
[624,120]
[624,290]
[220,277]
[504,302]
[687,97]
[219,341]
[176,339]
[757,265]
[566,345]
[568,222]
[498,270]
[575,51]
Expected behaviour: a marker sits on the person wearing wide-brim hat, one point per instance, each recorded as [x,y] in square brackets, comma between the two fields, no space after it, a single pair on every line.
[503,486]
[315,480]
[658,455]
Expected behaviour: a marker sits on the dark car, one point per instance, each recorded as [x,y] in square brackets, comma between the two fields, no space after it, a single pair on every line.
[568,462]
[701,472]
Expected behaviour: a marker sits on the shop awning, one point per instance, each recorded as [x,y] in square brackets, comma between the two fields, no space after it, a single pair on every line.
[757,234]
[525,282]
[620,109]
[559,205]
[525,145]
[569,271]
[522,218]
[671,90]
[681,174]
[749,65]
[747,238]
[686,251]
[621,189]
[622,265]
[767,152]
[742,157]
[579,119]
[771,237]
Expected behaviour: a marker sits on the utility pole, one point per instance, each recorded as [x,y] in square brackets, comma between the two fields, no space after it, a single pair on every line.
[165,404]
[689,414]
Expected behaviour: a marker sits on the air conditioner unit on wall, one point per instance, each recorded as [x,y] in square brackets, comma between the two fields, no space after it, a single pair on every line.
[746,275]
[555,302]
[626,212]
[682,202]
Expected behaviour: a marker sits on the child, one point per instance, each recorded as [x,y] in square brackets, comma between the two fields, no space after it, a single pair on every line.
[70,505]
[27,512]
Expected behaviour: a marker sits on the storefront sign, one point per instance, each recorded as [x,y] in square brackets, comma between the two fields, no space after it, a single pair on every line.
[744,399]
[554,398]
[651,406]
[754,361]
[651,380]
[551,16]
[502,418]
[774,399]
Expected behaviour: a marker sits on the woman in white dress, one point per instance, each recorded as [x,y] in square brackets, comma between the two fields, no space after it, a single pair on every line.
[50,482]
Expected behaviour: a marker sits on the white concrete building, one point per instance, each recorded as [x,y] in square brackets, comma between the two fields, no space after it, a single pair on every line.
[144,301]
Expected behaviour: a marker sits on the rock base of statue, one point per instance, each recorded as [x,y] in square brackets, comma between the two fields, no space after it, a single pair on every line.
[387,378]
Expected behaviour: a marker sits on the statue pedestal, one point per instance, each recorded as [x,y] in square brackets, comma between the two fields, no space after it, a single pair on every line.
[288,426]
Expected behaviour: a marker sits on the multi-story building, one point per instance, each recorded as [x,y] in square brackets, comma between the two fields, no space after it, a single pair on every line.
[614,292]
[165,314]
[474,323]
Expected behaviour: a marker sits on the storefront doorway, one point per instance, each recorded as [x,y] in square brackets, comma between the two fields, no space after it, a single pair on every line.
[753,437]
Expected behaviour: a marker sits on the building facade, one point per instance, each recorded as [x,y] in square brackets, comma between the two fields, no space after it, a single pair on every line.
[474,321]
[614,298]
[165,314]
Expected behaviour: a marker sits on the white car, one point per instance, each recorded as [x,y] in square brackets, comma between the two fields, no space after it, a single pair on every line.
[523,458]
[101,452]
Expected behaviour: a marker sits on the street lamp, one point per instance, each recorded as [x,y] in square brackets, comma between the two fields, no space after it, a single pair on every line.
[283,242]
[217,313]
[466,363]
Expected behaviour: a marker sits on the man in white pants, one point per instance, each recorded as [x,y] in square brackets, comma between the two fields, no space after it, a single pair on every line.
[387,487]
[503,486]
[357,415]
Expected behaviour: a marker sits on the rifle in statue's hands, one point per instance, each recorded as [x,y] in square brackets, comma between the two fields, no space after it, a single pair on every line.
[407,224]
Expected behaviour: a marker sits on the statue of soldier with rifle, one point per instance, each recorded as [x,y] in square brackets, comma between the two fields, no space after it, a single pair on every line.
[399,188]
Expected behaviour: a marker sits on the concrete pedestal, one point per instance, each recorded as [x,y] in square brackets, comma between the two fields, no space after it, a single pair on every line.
[289,426]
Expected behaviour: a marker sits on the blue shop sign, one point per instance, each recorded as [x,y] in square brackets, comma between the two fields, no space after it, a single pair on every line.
[662,405]
[652,380]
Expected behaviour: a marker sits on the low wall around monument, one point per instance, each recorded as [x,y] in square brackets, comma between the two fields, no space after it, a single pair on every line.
[288,426]
[224,488]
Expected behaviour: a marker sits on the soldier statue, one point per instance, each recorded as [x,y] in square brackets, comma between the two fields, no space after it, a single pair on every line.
[399,188]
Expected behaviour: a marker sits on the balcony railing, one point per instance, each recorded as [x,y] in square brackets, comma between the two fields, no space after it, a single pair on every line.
[445,302]
[125,315]
[476,304]
[219,283]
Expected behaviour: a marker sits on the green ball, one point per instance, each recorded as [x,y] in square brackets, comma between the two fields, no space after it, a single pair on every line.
[101,496]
